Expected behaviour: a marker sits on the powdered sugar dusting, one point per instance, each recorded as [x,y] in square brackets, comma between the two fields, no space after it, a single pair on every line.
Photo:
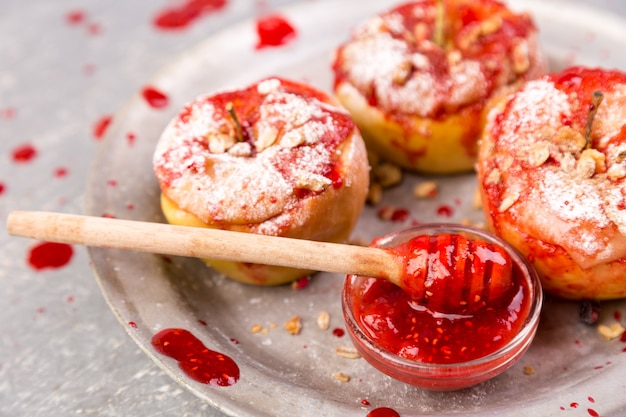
[540,106]
[543,157]
[393,60]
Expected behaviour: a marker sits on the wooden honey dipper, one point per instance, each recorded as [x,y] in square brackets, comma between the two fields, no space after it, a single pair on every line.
[485,278]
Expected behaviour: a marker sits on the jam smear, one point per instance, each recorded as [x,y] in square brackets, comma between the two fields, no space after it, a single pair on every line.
[24,153]
[50,255]
[101,125]
[383,412]
[274,30]
[155,98]
[196,360]
[176,18]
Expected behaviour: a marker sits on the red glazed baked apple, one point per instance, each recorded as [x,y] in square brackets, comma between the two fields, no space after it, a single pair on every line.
[416,78]
[277,158]
[552,175]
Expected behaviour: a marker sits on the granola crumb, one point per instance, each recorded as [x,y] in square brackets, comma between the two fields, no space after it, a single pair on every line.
[294,325]
[529,370]
[256,328]
[347,352]
[341,377]
[323,320]
[611,332]
[426,189]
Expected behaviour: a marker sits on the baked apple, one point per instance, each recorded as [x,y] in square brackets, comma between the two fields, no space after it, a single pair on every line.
[416,78]
[552,176]
[277,158]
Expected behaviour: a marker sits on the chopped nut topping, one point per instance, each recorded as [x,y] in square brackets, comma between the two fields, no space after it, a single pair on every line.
[591,161]
[538,153]
[294,325]
[402,72]
[426,189]
[616,172]
[313,182]
[490,25]
[508,201]
[521,57]
[341,377]
[242,149]
[493,177]
[266,137]
[220,143]
[323,320]
[569,140]
[348,352]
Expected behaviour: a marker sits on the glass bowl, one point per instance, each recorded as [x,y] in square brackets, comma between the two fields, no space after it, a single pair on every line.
[435,375]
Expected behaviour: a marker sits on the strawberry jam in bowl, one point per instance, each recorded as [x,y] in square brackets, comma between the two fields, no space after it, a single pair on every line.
[476,316]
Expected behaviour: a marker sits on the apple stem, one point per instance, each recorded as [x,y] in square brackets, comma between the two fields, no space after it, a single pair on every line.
[231,111]
[596,100]
[440,23]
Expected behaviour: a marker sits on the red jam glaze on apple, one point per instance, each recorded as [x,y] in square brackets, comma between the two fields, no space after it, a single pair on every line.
[417,331]
[246,102]
[463,20]
[195,359]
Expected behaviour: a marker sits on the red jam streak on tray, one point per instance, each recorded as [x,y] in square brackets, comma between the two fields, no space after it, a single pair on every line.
[431,328]
[155,98]
[195,359]
[274,30]
[24,153]
[101,125]
[180,17]
[50,255]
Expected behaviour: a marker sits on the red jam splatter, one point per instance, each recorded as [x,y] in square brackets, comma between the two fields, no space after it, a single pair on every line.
[622,338]
[100,127]
[592,412]
[445,211]
[75,17]
[182,16]
[400,215]
[383,412]
[365,402]
[60,172]
[50,255]
[8,113]
[195,359]
[434,326]
[130,137]
[274,30]
[339,332]
[24,153]
[2,188]
[132,324]
[155,98]
[301,282]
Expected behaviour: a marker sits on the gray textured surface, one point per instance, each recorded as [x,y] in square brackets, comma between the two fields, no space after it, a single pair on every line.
[61,350]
